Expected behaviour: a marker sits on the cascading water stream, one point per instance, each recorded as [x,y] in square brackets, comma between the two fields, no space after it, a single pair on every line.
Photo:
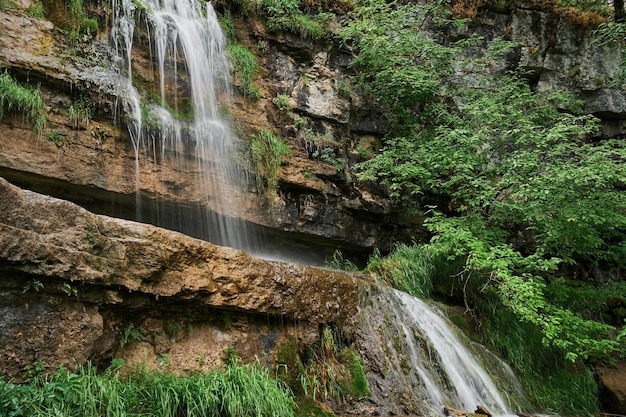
[427,364]
[190,54]
[471,384]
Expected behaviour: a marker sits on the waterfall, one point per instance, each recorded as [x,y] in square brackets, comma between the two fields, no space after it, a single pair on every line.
[182,130]
[428,364]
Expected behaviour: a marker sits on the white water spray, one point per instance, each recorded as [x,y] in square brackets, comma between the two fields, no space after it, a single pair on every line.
[428,363]
[189,56]
[470,384]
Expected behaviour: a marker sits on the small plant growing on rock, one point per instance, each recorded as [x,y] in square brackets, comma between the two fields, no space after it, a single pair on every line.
[283,102]
[245,66]
[82,110]
[33,284]
[56,138]
[267,152]
[130,334]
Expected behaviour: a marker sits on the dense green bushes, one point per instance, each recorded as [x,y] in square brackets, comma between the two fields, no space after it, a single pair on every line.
[520,194]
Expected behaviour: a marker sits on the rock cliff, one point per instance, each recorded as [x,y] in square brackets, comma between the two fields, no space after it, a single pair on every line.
[94,163]
[75,284]
[73,281]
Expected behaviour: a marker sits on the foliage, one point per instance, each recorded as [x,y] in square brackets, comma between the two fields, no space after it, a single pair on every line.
[56,137]
[17,99]
[245,65]
[81,111]
[267,153]
[238,391]
[339,262]
[549,380]
[398,64]
[283,102]
[290,15]
[520,191]
[130,334]
[326,369]
[412,269]
[78,22]
[36,10]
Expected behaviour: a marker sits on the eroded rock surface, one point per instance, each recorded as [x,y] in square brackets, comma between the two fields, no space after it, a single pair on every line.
[65,273]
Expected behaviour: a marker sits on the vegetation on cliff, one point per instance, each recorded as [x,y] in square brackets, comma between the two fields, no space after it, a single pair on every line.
[522,196]
[16,99]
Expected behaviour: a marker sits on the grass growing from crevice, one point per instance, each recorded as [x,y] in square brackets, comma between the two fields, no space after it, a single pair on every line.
[339,262]
[413,269]
[267,151]
[245,66]
[238,391]
[15,98]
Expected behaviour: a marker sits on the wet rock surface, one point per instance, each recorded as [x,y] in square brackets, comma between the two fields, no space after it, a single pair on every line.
[70,277]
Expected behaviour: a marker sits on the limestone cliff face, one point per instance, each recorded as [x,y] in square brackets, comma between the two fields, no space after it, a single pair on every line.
[95,163]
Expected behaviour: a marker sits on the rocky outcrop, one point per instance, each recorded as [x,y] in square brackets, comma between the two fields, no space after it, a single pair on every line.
[556,53]
[612,388]
[73,283]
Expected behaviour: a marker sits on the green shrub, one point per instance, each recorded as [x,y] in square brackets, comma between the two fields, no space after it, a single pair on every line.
[15,98]
[283,102]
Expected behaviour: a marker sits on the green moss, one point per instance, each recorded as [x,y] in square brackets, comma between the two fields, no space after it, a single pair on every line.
[289,365]
[310,408]
[356,385]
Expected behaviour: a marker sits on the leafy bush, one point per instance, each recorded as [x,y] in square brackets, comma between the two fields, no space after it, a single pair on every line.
[15,98]
[519,191]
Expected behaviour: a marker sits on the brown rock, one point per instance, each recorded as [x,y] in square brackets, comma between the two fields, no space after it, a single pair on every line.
[612,388]
[72,280]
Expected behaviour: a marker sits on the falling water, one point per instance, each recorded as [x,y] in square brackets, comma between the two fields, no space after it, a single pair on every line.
[189,54]
[429,365]
[471,384]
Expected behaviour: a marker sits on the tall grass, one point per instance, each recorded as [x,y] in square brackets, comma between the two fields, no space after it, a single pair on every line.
[245,65]
[17,99]
[267,153]
[412,268]
[238,391]
[551,382]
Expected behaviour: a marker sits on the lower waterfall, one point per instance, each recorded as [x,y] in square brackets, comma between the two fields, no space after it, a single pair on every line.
[417,355]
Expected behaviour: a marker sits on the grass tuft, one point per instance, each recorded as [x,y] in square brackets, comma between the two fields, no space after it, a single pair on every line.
[246,66]
[15,98]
